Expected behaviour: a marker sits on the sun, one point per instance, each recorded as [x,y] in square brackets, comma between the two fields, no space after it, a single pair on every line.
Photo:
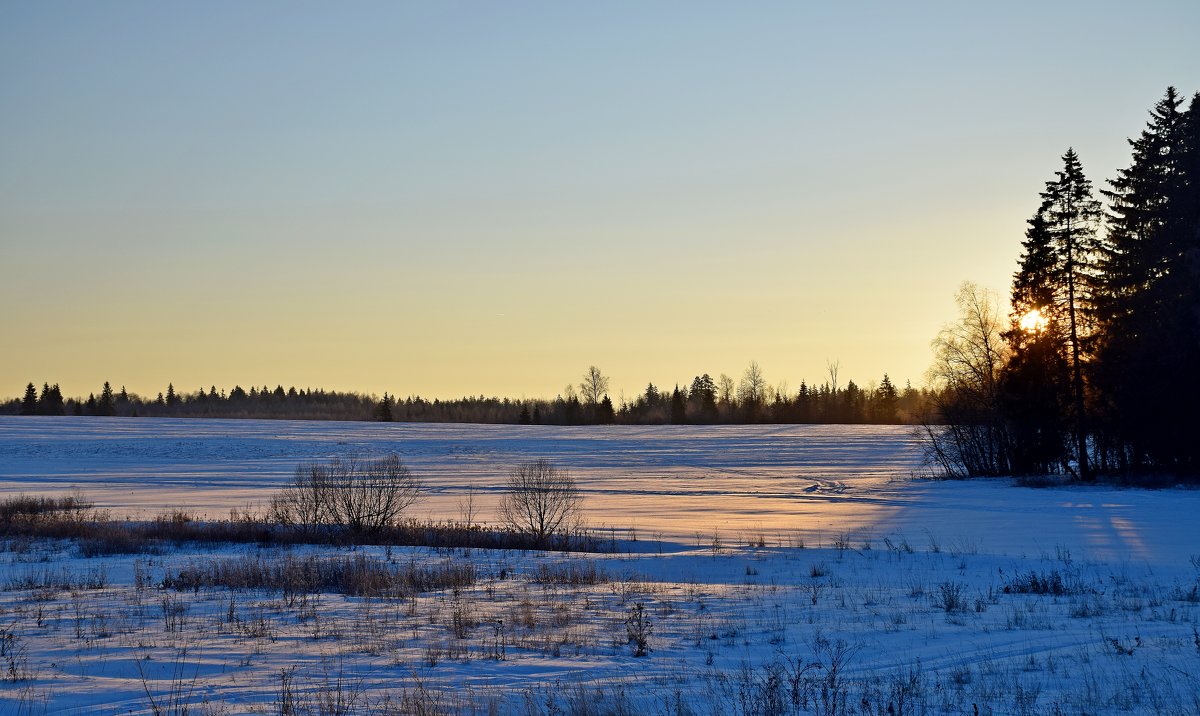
[1034,321]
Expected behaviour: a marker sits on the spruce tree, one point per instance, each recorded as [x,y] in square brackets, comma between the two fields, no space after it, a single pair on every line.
[383,410]
[1052,290]
[29,404]
[886,400]
[605,414]
[106,405]
[1150,297]
[678,407]
[51,401]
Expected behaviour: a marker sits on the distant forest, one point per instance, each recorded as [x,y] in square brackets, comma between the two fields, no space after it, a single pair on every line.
[703,401]
[1094,369]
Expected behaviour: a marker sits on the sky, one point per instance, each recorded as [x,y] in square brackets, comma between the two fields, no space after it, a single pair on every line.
[465,198]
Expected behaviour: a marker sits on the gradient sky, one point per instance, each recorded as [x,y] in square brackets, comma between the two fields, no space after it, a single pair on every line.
[452,198]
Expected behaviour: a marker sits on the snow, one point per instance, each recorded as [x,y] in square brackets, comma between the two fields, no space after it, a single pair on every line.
[759,549]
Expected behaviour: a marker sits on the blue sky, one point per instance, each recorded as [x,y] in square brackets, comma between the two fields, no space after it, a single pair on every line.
[465,198]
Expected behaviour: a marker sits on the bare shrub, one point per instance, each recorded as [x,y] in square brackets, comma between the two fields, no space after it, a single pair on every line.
[363,496]
[951,597]
[638,629]
[541,500]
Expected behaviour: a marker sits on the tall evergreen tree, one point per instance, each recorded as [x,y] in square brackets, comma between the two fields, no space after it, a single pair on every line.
[383,410]
[703,397]
[678,407]
[29,404]
[605,414]
[51,401]
[886,400]
[1051,294]
[1150,304]
[106,405]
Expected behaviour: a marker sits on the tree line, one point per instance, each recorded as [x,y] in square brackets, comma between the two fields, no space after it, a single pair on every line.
[702,401]
[1091,373]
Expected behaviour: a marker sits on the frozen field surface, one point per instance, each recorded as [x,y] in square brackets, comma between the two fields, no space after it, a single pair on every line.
[765,570]
[685,484]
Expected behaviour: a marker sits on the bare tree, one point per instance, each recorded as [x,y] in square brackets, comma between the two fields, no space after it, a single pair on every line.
[968,357]
[725,389]
[541,499]
[361,495]
[306,501]
[833,367]
[594,385]
[753,387]
[467,506]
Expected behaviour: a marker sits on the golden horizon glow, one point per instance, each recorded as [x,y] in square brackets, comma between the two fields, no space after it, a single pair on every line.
[449,199]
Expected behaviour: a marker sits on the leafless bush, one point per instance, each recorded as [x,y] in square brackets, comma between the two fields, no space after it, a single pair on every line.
[638,629]
[951,597]
[541,500]
[363,496]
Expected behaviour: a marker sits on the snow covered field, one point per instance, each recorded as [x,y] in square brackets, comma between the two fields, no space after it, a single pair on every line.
[779,569]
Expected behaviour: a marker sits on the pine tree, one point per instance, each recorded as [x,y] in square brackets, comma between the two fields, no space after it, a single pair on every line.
[51,401]
[1151,295]
[29,404]
[383,410]
[106,405]
[1052,290]
[886,399]
[605,414]
[703,396]
[678,407]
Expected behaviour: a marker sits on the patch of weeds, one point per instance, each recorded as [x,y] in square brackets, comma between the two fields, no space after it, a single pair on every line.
[638,629]
[1122,648]
[570,573]
[1087,608]
[1191,596]
[1053,583]
[951,597]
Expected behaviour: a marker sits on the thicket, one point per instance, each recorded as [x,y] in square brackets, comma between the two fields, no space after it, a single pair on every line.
[97,532]
[1089,374]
